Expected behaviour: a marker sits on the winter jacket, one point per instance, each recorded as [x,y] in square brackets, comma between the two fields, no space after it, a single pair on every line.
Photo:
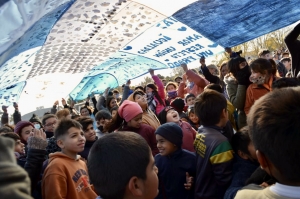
[214,164]
[147,132]
[242,170]
[4,118]
[87,147]
[294,45]
[237,96]
[52,147]
[36,155]
[14,181]
[189,135]
[172,174]
[65,177]
[199,84]
[161,93]
[254,92]
[17,117]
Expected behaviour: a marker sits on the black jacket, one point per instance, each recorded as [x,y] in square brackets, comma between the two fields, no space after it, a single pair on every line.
[294,47]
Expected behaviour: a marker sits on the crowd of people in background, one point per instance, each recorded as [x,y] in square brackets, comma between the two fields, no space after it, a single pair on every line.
[229,131]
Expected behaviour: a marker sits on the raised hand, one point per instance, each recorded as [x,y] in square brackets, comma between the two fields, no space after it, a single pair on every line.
[63,101]
[189,181]
[184,67]
[151,71]
[55,103]
[128,82]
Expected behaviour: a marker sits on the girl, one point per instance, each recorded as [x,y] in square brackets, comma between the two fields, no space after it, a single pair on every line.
[237,82]
[263,73]
[129,118]
[155,94]
[193,118]
[171,89]
[148,116]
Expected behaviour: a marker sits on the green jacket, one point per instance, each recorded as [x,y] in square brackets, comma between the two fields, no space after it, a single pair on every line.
[237,96]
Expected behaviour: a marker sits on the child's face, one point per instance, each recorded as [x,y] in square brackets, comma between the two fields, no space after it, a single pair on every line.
[136,121]
[112,103]
[73,142]
[84,112]
[193,117]
[164,146]
[113,113]
[26,132]
[89,133]
[257,77]
[50,124]
[141,100]
[172,116]
[171,88]
[19,147]
[190,101]
[151,183]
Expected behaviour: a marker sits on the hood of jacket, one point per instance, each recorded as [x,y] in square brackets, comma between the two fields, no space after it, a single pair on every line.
[52,156]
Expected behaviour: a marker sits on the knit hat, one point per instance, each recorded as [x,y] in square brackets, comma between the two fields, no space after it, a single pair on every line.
[35,118]
[162,116]
[178,104]
[171,132]
[128,110]
[20,125]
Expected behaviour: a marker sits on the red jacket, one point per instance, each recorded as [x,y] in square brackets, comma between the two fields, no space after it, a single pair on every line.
[189,135]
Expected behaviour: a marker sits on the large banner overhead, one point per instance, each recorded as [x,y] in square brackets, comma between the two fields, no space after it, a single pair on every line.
[52,49]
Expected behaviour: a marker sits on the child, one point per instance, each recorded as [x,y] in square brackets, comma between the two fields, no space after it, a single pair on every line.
[275,131]
[103,117]
[129,118]
[176,166]
[263,73]
[19,146]
[168,114]
[171,89]
[155,94]
[245,162]
[148,116]
[89,134]
[66,175]
[190,99]
[193,118]
[121,166]
[213,151]
[178,105]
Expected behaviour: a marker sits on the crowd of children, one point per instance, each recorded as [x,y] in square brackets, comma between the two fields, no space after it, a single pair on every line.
[215,133]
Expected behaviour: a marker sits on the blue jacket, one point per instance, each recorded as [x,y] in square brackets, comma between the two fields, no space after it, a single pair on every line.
[242,170]
[172,174]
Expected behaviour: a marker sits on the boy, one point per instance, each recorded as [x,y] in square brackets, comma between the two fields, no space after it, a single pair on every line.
[175,165]
[121,166]
[19,146]
[168,114]
[190,99]
[102,118]
[66,175]
[245,161]
[275,131]
[213,151]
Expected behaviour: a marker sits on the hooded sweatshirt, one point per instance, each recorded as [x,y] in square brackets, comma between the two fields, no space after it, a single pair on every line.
[65,177]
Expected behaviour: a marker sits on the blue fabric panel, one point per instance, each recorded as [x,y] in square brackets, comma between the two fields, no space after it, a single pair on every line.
[11,94]
[233,22]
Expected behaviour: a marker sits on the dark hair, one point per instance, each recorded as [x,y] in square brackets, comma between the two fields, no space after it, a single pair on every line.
[115,91]
[46,117]
[263,52]
[116,123]
[285,59]
[241,140]
[275,130]
[114,108]
[108,100]
[209,106]
[85,122]
[64,125]
[139,88]
[190,110]
[233,65]
[12,135]
[6,129]
[103,114]
[264,66]
[188,96]
[127,154]
[154,88]
[75,116]
[215,87]
[88,108]
[138,92]
[286,82]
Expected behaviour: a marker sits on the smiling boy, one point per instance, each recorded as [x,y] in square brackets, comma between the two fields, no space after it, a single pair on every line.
[66,175]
